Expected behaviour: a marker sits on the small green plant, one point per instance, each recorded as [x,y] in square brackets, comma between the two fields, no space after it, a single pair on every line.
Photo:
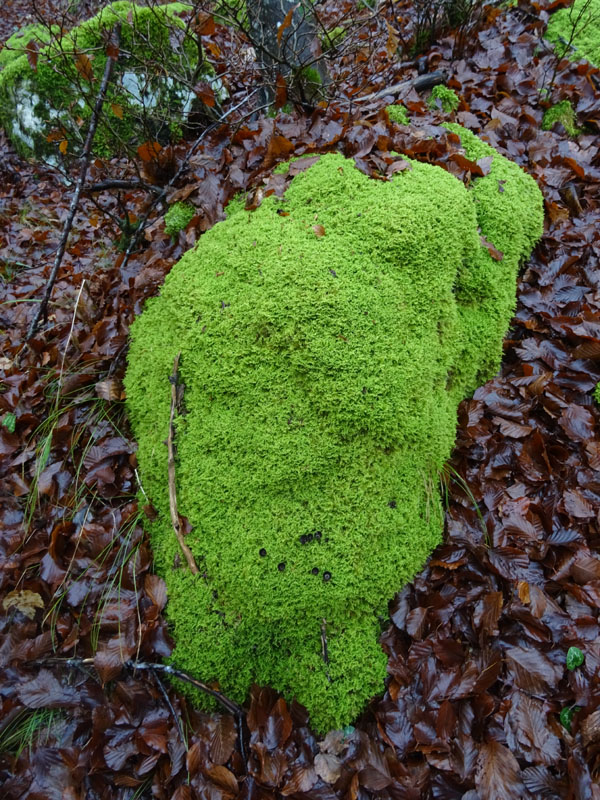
[9,421]
[28,728]
[575,658]
[178,217]
[399,114]
[597,393]
[564,113]
[331,39]
[444,98]
[566,716]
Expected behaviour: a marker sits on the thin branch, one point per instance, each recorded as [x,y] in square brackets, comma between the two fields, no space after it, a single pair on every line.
[324,651]
[182,167]
[167,669]
[420,84]
[123,184]
[42,310]
[175,519]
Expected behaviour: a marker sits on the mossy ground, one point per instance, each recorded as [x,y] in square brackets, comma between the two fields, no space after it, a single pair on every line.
[177,217]
[322,377]
[564,113]
[584,15]
[140,103]
[444,98]
[398,113]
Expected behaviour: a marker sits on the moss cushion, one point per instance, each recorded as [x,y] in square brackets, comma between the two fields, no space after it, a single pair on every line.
[579,25]
[324,351]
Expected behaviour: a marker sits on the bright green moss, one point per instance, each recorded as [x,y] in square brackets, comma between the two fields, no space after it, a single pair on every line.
[333,38]
[322,376]
[444,98]
[177,217]
[597,393]
[141,102]
[582,18]
[15,46]
[399,114]
[564,113]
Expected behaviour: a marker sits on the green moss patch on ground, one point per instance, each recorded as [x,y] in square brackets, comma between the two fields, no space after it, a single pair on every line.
[564,113]
[398,113]
[56,99]
[324,353]
[584,17]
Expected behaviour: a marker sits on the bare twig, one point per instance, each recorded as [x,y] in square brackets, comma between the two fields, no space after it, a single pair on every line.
[420,84]
[42,309]
[122,184]
[182,167]
[166,669]
[324,651]
[172,490]
[174,714]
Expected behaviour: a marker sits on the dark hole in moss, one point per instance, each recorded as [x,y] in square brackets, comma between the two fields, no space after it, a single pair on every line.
[315,570]
[392,504]
[326,576]
[262,552]
[281,566]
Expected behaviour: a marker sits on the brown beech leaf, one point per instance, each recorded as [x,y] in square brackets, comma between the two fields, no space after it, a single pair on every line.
[280,91]
[156,589]
[84,66]
[109,389]
[32,51]
[205,93]
[148,151]
[223,778]
[287,21]
[24,601]
[319,230]
[496,254]
[223,740]
[328,767]
[533,671]
[497,774]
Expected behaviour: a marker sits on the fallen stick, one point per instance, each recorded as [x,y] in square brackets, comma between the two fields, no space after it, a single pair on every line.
[42,309]
[167,669]
[172,490]
[420,84]
[123,184]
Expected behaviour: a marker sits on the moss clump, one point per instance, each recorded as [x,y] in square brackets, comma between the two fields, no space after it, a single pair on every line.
[444,98]
[323,367]
[399,114]
[333,38]
[56,100]
[597,393]
[178,217]
[564,113]
[580,25]
[16,45]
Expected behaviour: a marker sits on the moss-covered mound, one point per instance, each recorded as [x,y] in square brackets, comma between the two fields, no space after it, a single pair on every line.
[147,99]
[324,351]
[580,25]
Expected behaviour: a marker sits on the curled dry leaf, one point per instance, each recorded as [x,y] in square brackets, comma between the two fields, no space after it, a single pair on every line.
[24,601]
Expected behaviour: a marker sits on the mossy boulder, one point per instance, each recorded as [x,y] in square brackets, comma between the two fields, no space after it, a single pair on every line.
[16,45]
[579,25]
[43,107]
[324,351]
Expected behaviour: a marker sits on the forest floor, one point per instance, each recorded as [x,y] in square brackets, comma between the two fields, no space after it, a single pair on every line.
[480,702]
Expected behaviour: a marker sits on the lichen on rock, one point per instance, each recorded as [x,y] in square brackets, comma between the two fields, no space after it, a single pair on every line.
[41,107]
[324,353]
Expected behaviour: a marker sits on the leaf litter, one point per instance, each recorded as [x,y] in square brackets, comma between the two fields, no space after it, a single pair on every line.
[493,650]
